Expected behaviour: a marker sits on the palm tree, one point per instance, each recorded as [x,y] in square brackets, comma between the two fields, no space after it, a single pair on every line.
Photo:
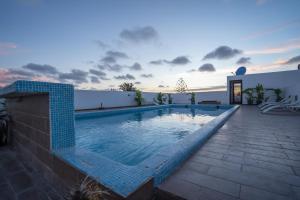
[127,87]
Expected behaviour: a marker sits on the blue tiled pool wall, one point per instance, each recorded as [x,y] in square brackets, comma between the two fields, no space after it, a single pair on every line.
[102,113]
[61,100]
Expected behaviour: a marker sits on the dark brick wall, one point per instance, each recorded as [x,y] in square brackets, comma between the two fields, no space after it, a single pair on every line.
[30,133]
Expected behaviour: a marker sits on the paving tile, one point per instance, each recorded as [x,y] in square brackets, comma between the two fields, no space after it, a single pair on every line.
[20,181]
[251,180]
[260,152]
[294,155]
[32,194]
[268,165]
[218,163]
[210,182]
[6,193]
[209,154]
[273,160]
[297,170]
[250,193]
[297,192]
[290,179]
[10,165]
[194,192]
[195,166]
[234,159]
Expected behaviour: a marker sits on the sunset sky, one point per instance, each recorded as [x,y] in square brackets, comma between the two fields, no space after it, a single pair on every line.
[98,44]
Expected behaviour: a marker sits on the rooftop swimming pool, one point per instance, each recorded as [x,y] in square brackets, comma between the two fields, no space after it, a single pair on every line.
[130,138]
[124,149]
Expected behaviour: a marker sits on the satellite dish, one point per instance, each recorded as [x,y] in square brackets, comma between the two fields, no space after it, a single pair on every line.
[240,71]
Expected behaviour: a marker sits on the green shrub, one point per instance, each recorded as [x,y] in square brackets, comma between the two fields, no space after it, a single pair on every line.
[138,97]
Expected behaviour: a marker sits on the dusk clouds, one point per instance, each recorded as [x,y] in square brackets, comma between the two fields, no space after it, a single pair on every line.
[125,77]
[206,68]
[136,67]
[179,60]
[294,60]
[44,69]
[76,75]
[222,52]
[147,75]
[139,34]
[243,60]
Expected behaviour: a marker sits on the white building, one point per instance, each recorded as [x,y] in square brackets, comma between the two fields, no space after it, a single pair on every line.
[287,81]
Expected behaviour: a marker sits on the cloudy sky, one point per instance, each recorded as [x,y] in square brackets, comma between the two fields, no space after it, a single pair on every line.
[98,44]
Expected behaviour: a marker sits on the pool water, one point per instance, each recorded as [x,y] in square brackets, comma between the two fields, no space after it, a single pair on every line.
[130,138]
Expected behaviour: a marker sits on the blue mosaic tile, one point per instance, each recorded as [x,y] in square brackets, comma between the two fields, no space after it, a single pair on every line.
[61,100]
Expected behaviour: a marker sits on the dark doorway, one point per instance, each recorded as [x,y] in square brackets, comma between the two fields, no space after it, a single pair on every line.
[236,94]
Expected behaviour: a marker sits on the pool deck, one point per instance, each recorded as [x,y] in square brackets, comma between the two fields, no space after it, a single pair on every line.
[18,181]
[253,156]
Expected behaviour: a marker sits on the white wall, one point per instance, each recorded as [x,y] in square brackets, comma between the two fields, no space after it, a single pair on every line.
[91,99]
[201,96]
[288,81]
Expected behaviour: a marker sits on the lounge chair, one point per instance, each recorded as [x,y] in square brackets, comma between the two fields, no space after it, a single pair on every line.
[274,102]
[283,102]
[289,106]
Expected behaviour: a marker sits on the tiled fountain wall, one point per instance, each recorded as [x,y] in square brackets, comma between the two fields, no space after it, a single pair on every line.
[42,120]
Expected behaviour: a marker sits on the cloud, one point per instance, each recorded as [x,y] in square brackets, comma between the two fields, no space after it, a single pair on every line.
[147,75]
[76,75]
[95,79]
[222,52]
[179,60]
[20,72]
[101,44]
[43,69]
[8,76]
[156,62]
[125,77]
[163,86]
[136,67]
[97,73]
[281,48]
[294,60]
[6,47]
[100,75]
[207,68]
[243,60]
[116,54]
[139,34]
[108,67]
[108,59]
[137,83]
[112,57]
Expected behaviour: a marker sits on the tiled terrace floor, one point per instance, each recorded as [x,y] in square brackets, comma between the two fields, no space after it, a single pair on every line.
[253,156]
[18,182]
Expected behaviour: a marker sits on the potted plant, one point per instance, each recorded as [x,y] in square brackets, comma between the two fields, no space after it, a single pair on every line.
[4,124]
[250,98]
[160,99]
[260,93]
[170,99]
[278,93]
[138,97]
[87,190]
[193,99]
